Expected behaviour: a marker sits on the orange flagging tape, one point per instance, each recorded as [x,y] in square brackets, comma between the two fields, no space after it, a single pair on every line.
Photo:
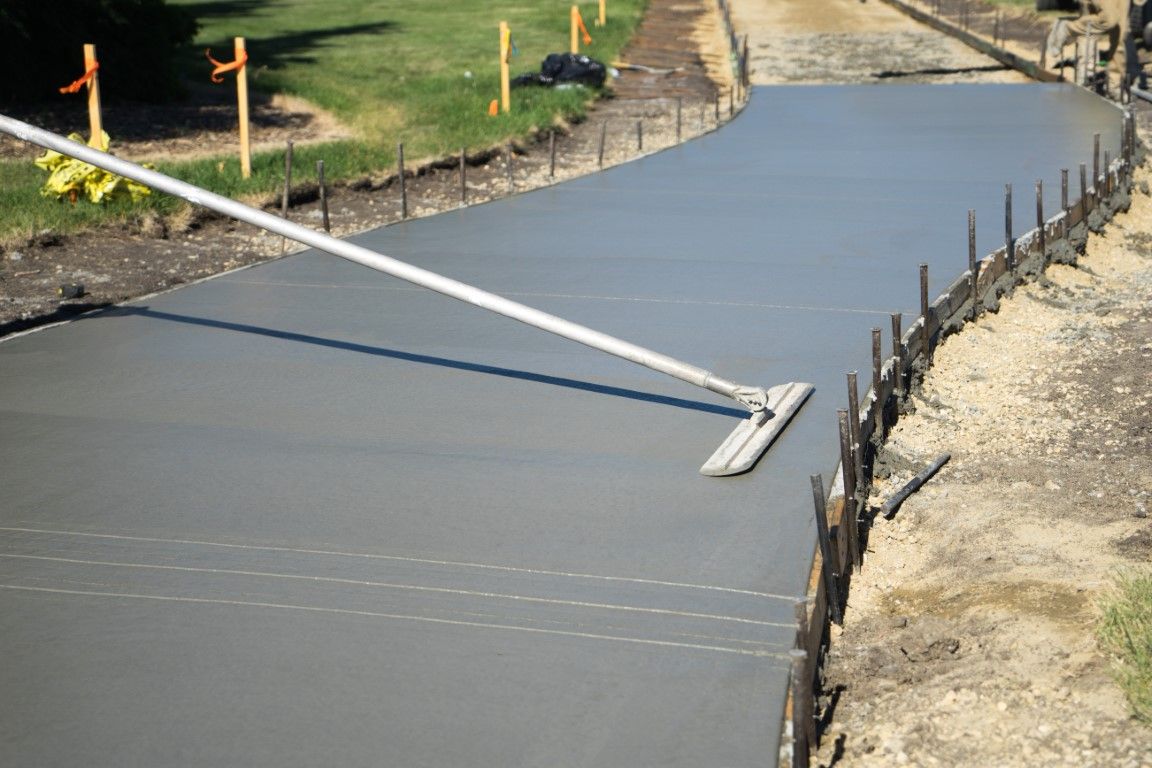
[583,29]
[221,68]
[493,108]
[77,85]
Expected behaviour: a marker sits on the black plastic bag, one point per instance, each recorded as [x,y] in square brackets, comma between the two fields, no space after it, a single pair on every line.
[566,68]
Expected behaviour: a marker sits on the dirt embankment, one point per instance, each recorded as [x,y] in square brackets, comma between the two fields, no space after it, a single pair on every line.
[969,638]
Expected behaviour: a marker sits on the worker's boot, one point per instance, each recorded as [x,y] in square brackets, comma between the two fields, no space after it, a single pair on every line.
[1054,46]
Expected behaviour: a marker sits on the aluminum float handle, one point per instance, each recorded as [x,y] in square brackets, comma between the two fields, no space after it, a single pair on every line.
[753,398]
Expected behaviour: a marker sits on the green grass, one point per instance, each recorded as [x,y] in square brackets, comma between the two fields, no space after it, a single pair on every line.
[392,70]
[1126,634]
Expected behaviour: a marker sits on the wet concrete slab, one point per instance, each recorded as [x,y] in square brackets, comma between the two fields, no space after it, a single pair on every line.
[305,513]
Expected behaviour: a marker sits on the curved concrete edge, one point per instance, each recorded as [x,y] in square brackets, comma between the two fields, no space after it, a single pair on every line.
[1056,240]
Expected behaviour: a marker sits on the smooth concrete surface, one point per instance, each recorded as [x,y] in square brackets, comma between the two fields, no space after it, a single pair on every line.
[305,514]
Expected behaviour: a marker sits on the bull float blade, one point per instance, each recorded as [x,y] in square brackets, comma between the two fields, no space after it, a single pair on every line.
[748,442]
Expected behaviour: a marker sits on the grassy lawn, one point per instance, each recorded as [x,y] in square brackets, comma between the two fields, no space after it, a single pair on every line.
[417,71]
[1126,634]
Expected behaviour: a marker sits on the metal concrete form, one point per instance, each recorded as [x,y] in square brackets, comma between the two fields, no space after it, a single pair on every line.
[306,513]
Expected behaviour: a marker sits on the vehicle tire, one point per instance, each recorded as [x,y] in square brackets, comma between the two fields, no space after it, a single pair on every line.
[1057,5]
[1148,36]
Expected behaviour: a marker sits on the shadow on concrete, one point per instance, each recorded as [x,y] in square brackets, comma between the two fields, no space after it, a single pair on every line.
[459,365]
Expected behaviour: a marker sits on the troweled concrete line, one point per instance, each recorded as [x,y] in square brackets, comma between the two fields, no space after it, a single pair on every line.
[306,514]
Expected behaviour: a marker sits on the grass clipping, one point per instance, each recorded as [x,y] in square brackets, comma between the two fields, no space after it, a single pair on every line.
[1126,634]
[69,178]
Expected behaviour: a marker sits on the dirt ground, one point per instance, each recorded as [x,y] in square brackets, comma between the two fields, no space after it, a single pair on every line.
[969,634]
[848,41]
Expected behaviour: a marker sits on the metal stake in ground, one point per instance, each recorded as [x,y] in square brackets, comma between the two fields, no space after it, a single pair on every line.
[771,408]
[600,145]
[848,471]
[287,191]
[1064,195]
[897,355]
[717,109]
[803,722]
[1040,217]
[973,273]
[877,362]
[1107,183]
[925,310]
[829,566]
[508,165]
[1096,165]
[551,154]
[639,135]
[854,432]
[679,117]
[1009,242]
[1083,193]
[400,177]
[463,176]
[323,195]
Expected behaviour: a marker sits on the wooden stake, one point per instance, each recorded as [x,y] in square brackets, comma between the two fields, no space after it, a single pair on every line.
[95,121]
[551,154]
[1064,192]
[505,52]
[574,30]
[323,195]
[242,99]
[603,13]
